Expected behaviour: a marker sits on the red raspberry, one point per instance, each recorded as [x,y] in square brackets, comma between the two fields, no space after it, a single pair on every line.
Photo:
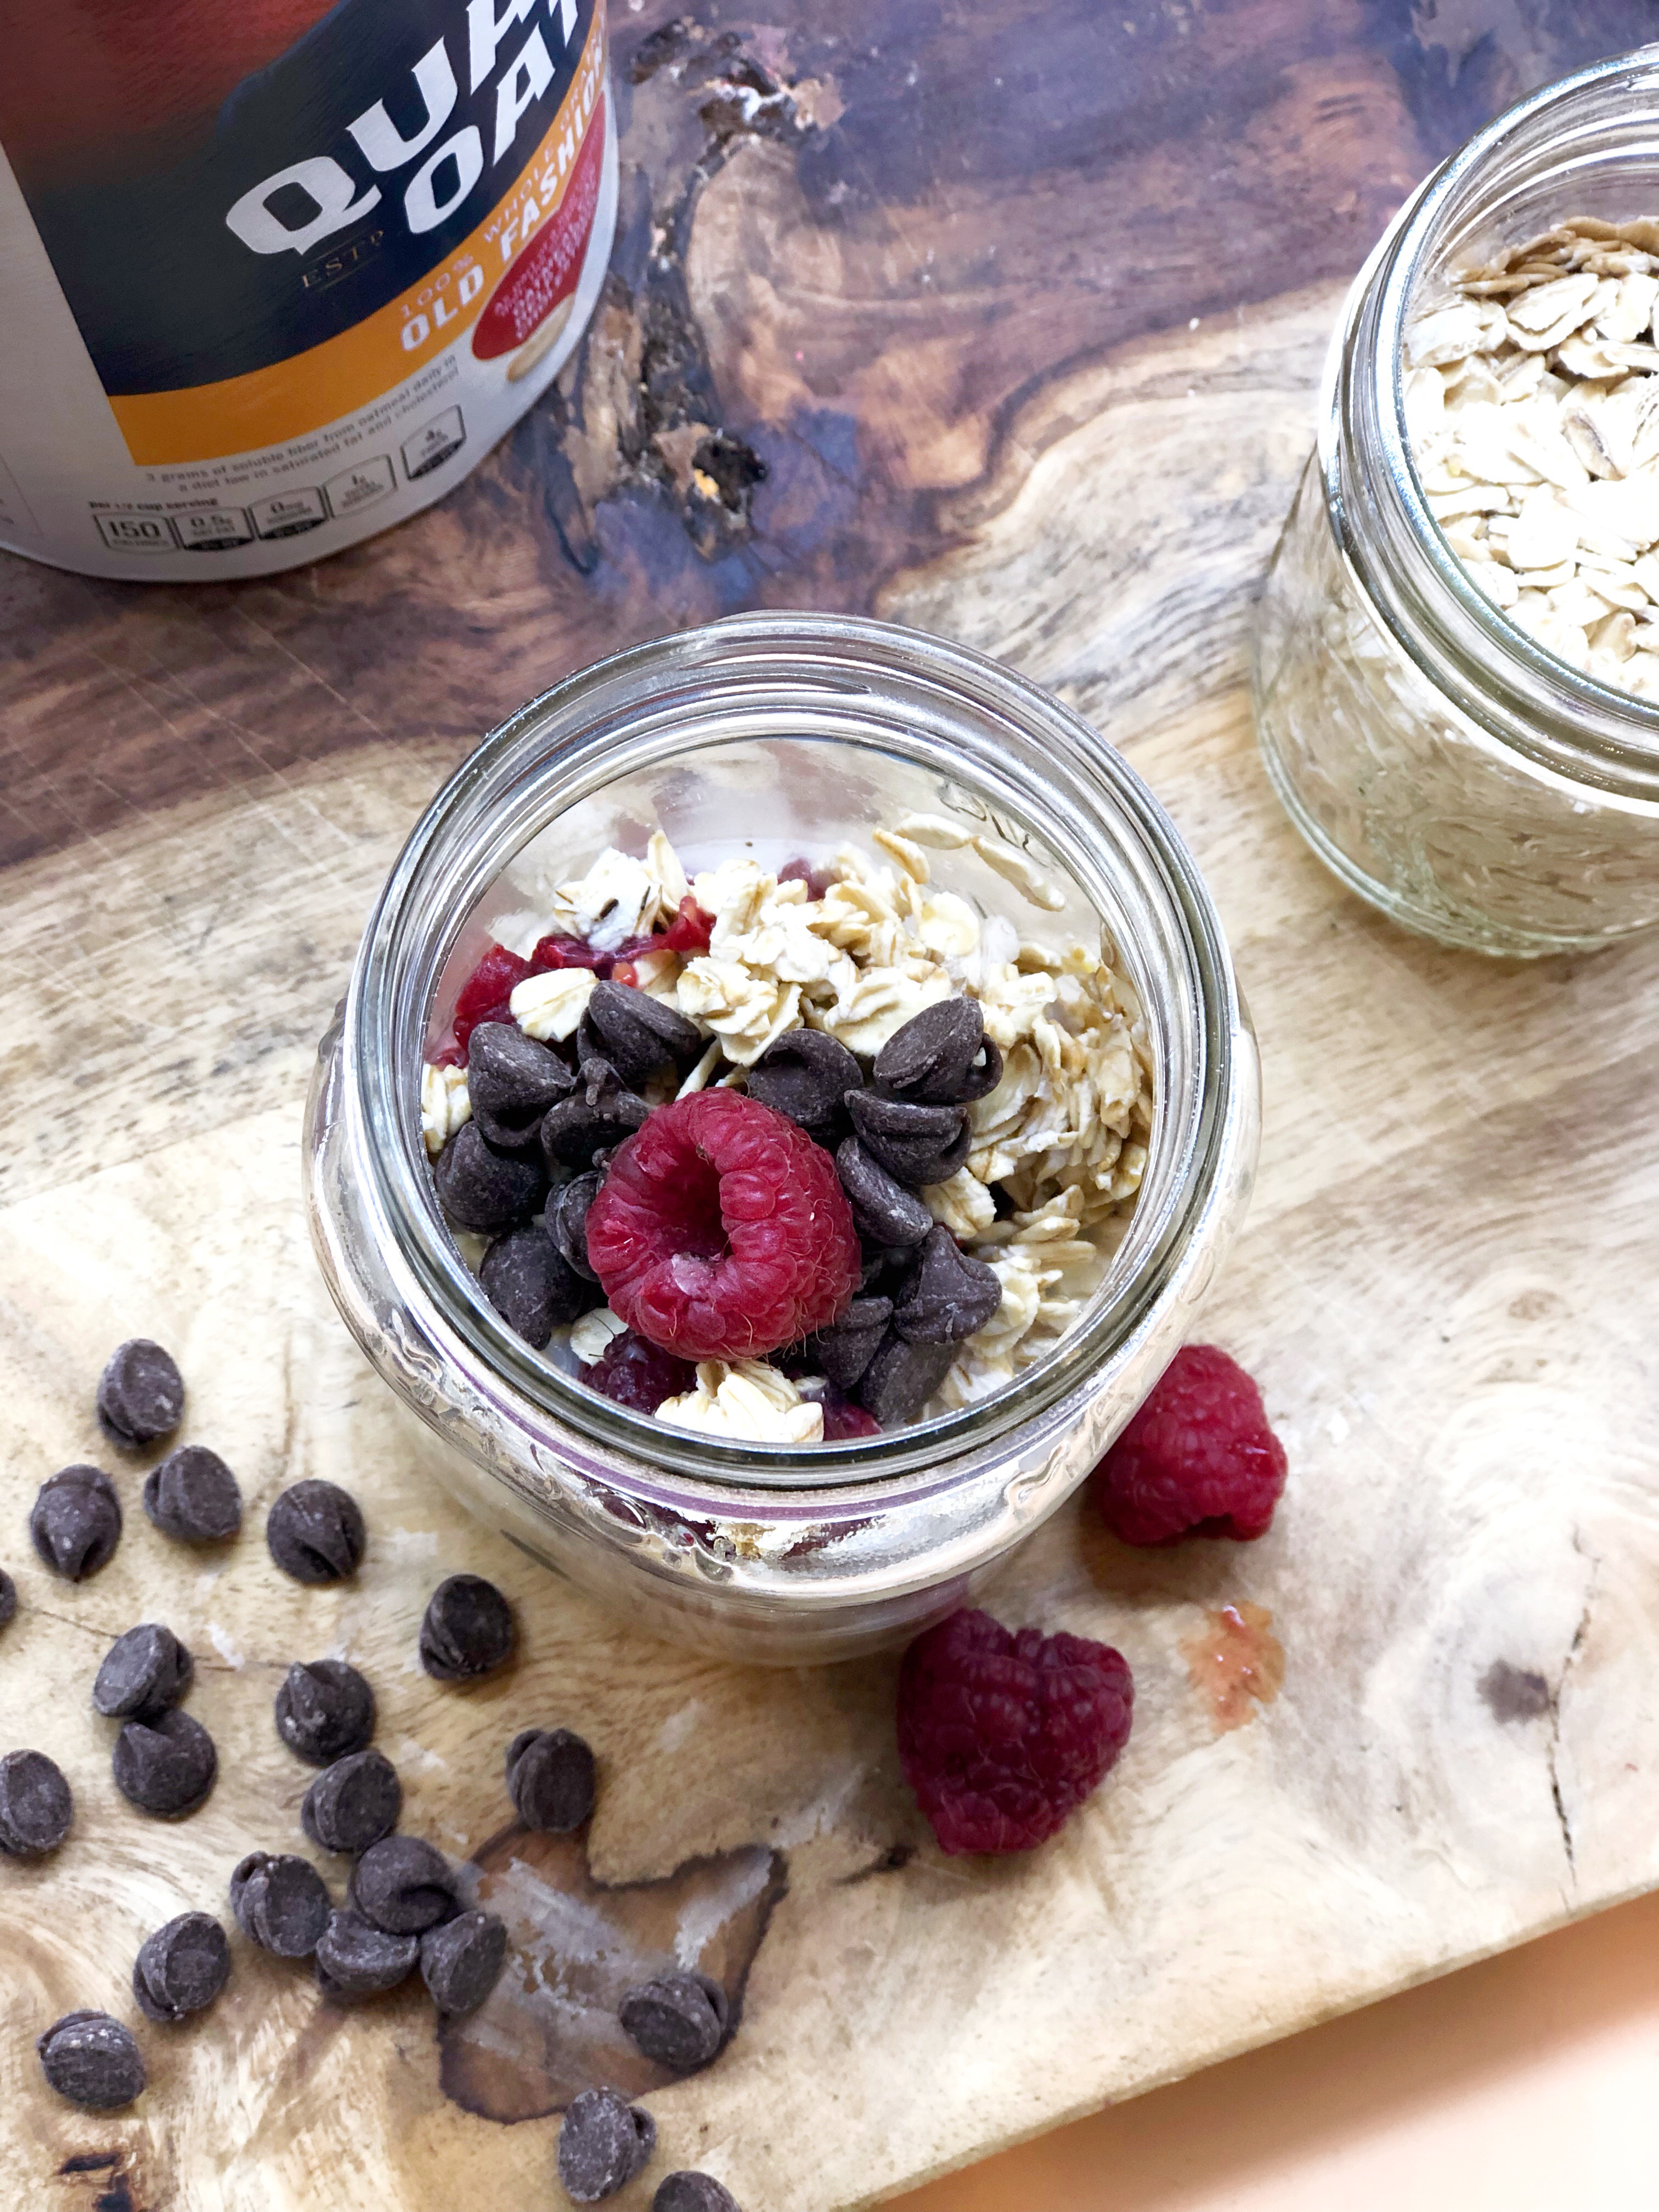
[1197,1459]
[484,996]
[1002,1737]
[631,1372]
[722,1231]
[550,953]
[688,932]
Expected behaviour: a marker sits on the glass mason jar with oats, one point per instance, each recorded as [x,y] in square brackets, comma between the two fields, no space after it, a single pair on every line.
[1456,653]
[853,825]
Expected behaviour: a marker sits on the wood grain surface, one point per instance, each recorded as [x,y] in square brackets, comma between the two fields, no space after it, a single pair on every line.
[1021,310]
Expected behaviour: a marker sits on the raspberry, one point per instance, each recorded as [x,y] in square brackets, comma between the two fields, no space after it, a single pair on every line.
[1197,1459]
[552,952]
[841,1417]
[1003,1736]
[484,996]
[687,934]
[722,1230]
[631,1372]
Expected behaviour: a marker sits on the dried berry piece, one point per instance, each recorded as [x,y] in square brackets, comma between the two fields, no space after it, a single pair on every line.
[193,1495]
[950,1295]
[486,995]
[480,1188]
[529,1284]
[887,1215]
[144,1672]
[688,2191]
[597,1114]
[511,1081]
[567,1220]
[901,1378]
[8,1598]
[353,1803]
[917,1145]
[92,2060]
[315,1532]
[76,1521]
[1197,1459]
[1002,1736]
[631,1372]
[356,1959]
[801,870]
[842,1351]
[940,1057]
[166,1766]
[36,1805]
[551,1778]
[468,1629]
[678,2020]
[141,1394]
[461,1961]
[324,1710]
[638,1034]
[281,1902]
[403,1885]
[602,2144]
[806,1074]
[181,1968]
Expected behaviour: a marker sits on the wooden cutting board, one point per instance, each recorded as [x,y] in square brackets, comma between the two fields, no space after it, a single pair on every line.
[1001,305]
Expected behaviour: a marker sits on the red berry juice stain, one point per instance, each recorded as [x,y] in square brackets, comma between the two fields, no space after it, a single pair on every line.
[1236,1663]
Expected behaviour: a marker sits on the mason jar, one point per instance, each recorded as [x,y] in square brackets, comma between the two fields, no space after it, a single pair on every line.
[775,733]
[1442,764]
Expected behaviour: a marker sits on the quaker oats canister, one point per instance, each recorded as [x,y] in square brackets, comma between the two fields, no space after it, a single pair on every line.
[278,277]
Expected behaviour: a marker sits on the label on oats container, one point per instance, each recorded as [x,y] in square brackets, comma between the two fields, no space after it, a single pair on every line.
[278,276]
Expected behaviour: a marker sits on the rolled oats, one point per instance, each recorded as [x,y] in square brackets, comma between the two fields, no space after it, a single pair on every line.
[746,1398]
[443,1105]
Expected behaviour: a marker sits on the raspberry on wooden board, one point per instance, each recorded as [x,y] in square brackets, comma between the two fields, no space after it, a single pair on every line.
[1197,1458]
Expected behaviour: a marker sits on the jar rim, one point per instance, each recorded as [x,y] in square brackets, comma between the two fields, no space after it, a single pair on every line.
[699,689]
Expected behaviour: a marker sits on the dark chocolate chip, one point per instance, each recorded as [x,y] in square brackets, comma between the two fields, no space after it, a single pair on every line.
[92,2060]
[403,1885]
[144,1672]
[8,1598]
[917,1145]
[842,1353]
[940,1057]
[479,1188]
[532,1287]
[192,1495]
[637,1033]
[511,1081]
[356,1959]
[884,1213]
[36,1806]
[677,2021]
[687,2191]
[315,1532]
[280,1901]
[567,1220]
[353,1803]
[602,2144]
[806,1074]
[181,1967]
[549,1779]
[468,1629]
[324,1710]
[950,1295]
[599,1112]
[901,1378]
[165,1765]
[461,1961]
[76,1521]
[141,1394]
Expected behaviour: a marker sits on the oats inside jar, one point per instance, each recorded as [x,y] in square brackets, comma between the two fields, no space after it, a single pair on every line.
[798,1155]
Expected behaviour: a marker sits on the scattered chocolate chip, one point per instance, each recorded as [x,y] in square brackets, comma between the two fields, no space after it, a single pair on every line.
[479,1188]
[806,1074]
[549,1779]
[511,1081]
[461,1961]
[567,1220]
[950,1295]
[842,1352]
[281,1902]
[602,2144]
[917,1145]
[532,1287]
[692,2192]
[165,1765]
[353,1803]
[315,1532]
[403,1886]
[193,1495]
[599,1112]
[36,1806]
[181,1967]
[468,1629]
[901,1378]
[141,1394]
[324,1710]
[940,1057]
[144,1672]
[356,1960]
[637,1033]
[92,2060]
[677,2021]
[884,1213]
[8,1598]
[76,1521]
